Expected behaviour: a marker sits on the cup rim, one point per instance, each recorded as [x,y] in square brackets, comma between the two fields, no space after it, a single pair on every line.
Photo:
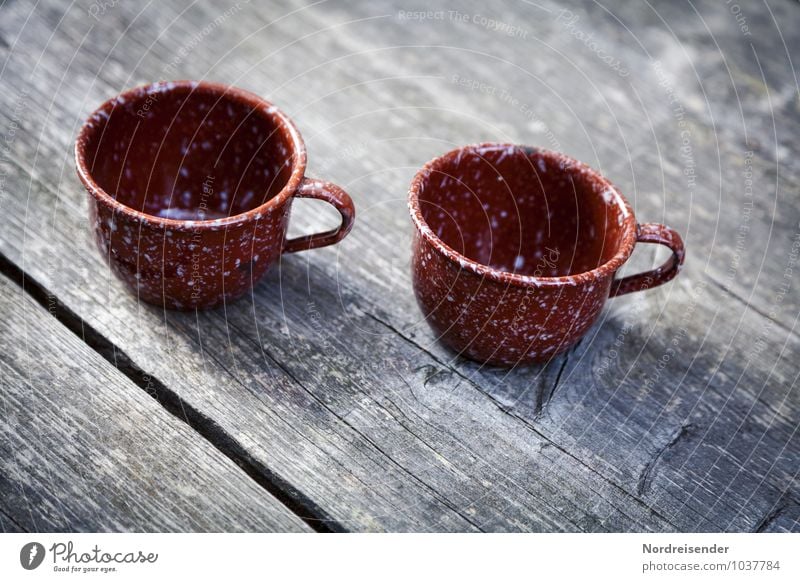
[559,160]
[97,122]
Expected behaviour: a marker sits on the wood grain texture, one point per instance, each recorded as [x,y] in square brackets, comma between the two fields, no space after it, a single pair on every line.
[84,449]
[679,409]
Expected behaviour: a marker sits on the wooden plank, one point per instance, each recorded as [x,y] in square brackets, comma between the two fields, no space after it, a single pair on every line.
[84,449]
[286,405]
[9,525]
[382,492]
[774,447]
[595,420]
[735,460]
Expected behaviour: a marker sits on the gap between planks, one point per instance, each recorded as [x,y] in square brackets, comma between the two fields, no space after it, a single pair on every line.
[294,500]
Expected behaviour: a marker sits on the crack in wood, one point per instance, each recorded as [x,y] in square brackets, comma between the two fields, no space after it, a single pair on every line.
[342,418]
[527,424]
[543,401]
[10,518]
[68,102]
[543,445]
[645,477]
[208,429]
[784,503]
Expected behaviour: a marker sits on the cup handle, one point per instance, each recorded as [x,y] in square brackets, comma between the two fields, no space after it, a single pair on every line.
[333,195]
[652,232]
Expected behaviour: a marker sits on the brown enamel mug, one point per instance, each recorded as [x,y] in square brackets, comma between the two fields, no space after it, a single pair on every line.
[190,189]
[516,248]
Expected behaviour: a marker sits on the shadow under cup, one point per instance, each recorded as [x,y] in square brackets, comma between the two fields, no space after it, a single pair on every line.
[516,248]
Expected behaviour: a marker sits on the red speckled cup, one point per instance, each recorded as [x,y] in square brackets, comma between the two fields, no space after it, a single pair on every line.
[190,189]
[516,248]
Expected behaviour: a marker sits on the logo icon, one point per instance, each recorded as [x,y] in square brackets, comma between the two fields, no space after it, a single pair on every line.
[31,555]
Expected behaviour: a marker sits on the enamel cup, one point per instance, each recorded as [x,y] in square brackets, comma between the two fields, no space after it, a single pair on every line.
[516,248]
[190,189]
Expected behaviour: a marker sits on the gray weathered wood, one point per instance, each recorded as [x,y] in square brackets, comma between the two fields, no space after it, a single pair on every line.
[329,379]
[84,449]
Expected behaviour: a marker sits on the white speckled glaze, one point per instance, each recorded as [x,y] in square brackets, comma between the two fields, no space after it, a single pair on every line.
[516,248]
[190,187]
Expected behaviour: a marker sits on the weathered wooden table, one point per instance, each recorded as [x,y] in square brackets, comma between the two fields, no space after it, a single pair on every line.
[323,402]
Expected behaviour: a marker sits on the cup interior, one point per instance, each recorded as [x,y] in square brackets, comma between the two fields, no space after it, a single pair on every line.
[188,152]
[523,210]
